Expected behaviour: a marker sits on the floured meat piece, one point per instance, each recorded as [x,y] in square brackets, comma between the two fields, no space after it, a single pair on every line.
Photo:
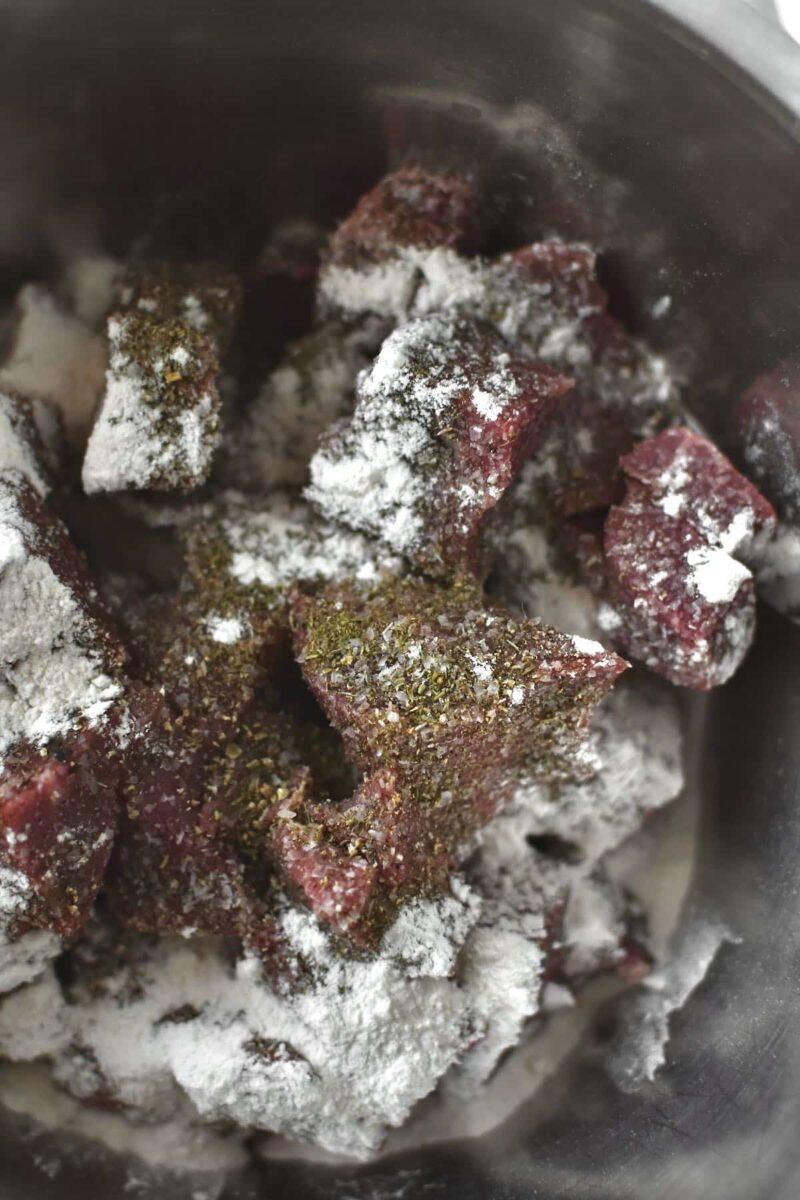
[639,750]
[442,703]
[444,419]
[59,788]
[313,387]
[676,599]
[201,295]
[449,695]
[769,430]
[680,606]
[212,759]
[534,577]
[687,476]
[57,358]
[203,670]
[541,920]
[544,298]
[373,258]
[158,426]
[577,467]
[58,817]
[61,659]
[22,447]
[630,381]
[168,874]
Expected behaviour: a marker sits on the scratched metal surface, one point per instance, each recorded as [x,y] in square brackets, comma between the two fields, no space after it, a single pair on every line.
[620,117]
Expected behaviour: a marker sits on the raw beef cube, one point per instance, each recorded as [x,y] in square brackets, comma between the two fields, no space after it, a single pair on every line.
[444,420]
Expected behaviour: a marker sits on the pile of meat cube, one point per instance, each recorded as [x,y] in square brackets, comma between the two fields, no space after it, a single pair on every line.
[314,754]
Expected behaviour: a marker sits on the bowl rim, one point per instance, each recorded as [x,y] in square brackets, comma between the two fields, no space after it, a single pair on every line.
[758,47]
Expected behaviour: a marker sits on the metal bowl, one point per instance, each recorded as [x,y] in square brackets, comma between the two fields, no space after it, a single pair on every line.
[670,128]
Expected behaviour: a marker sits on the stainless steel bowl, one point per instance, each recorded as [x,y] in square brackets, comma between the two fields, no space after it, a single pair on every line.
[673,129]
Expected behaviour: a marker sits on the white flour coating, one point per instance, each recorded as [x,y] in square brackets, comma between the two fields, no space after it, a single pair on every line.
[126,448]
[22,957]
[51,669]
[639,747]
[280,540]
[342,1058]
[715,575]
[333,1062]
[56,357]
[675,492]
[225,630]
[371,474]
[313,386]
[16,449]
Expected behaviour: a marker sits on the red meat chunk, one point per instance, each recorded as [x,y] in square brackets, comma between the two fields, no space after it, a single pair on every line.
[561,275]
[61,659]
[58,817]
[769,426]
[411,207]
[441,703]
[449,695]
[169,873]
[676,598]
[686,476]
[444,420]
[680,605]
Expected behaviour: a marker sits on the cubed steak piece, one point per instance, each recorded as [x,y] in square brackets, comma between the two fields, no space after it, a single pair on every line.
[443,704]
[448,694]
[60,780]
[373,260]
[681,606]
[546,300]
[444,419]
[158,425]
[410,207]
[58,816]
[676,599]
[687,476]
